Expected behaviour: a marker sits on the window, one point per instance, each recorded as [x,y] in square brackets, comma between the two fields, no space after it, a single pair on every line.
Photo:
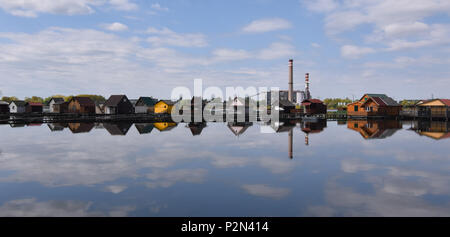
[356,108]
[369,109]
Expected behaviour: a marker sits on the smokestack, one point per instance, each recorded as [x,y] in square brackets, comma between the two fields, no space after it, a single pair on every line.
[307,139]
[308,95]
[291,80]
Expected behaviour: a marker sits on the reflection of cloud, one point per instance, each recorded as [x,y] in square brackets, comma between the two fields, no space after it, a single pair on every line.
[343,201]
[277,166]
[266,191]
[353,166]
[33,208]
[116,188]
[166,179]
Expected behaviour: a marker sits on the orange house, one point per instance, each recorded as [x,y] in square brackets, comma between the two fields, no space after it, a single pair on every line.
[374,105]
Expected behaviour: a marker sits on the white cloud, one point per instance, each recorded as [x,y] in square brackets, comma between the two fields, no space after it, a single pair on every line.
[165,36]
[158,7]
[32,8]
[320,5]
[230,54]
[123,5]
[116,26]
[315,45]
[277,50]
[354,52]
[266,25]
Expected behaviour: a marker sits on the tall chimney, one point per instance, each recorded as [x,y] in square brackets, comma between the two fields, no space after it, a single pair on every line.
[308,95]
[291,80]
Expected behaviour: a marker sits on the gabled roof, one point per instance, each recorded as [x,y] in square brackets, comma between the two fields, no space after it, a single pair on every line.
[19,103]
[446,102]
[148,101]
[3,102]
[114,100]
[388,101]
[168,102]
[58,100]
[85,101]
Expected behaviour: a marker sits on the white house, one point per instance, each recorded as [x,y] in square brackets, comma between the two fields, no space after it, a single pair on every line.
[54,101]
[17,106]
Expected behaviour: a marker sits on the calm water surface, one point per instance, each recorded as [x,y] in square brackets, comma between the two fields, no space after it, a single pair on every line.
[347,169]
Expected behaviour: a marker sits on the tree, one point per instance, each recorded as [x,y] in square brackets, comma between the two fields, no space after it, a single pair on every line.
[35,99]
[9,98]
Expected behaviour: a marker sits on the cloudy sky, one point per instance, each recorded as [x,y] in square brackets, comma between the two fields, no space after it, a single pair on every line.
[137,47]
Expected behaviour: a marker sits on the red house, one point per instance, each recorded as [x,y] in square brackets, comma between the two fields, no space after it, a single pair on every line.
[34,107]
[314,106]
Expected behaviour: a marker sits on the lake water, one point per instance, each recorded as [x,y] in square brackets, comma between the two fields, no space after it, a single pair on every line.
[353,168]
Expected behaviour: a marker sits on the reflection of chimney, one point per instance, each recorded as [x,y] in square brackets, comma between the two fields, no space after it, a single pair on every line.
[306,140]
[290,144]
[307,86]
[291,80]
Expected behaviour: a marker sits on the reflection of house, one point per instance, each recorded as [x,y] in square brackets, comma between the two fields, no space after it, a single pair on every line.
[438,108]
[145,105]
[433,129]
[196,128]
[34,107]
[4,107]
[55,101]
[164,107]
[81,127]
[81,105]
[314,106]
[374,129]
[56,127]
[144,128]
[118,104]
[374,105]
[238,128]
[18,106]
[17,125]
[164,126]
[282,127]
[117,128]
[314,127]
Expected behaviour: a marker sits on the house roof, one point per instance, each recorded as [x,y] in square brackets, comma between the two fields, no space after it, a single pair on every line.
[284,103]
[114,100]
[314,101]
[34,104]
[3,102]
[168,102]
[19,103]
[445,102]
[86,101]
[379,101]
[148,101]
[58,100]
[388,101]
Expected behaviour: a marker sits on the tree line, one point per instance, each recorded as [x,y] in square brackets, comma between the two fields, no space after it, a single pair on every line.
[37,99]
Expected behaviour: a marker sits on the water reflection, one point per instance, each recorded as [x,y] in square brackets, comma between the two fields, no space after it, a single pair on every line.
[108,169]
[373,129]
[432,129]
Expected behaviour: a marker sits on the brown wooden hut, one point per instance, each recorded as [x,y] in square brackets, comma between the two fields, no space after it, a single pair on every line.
[81,105]
[374,105]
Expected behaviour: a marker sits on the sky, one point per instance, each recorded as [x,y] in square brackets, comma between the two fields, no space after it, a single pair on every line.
[147,48]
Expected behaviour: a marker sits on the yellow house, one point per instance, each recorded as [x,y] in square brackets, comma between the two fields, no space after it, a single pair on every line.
[435,108]
[164,126]
[164,107]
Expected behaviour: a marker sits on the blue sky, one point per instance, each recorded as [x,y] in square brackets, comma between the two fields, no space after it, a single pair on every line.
[149,47]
